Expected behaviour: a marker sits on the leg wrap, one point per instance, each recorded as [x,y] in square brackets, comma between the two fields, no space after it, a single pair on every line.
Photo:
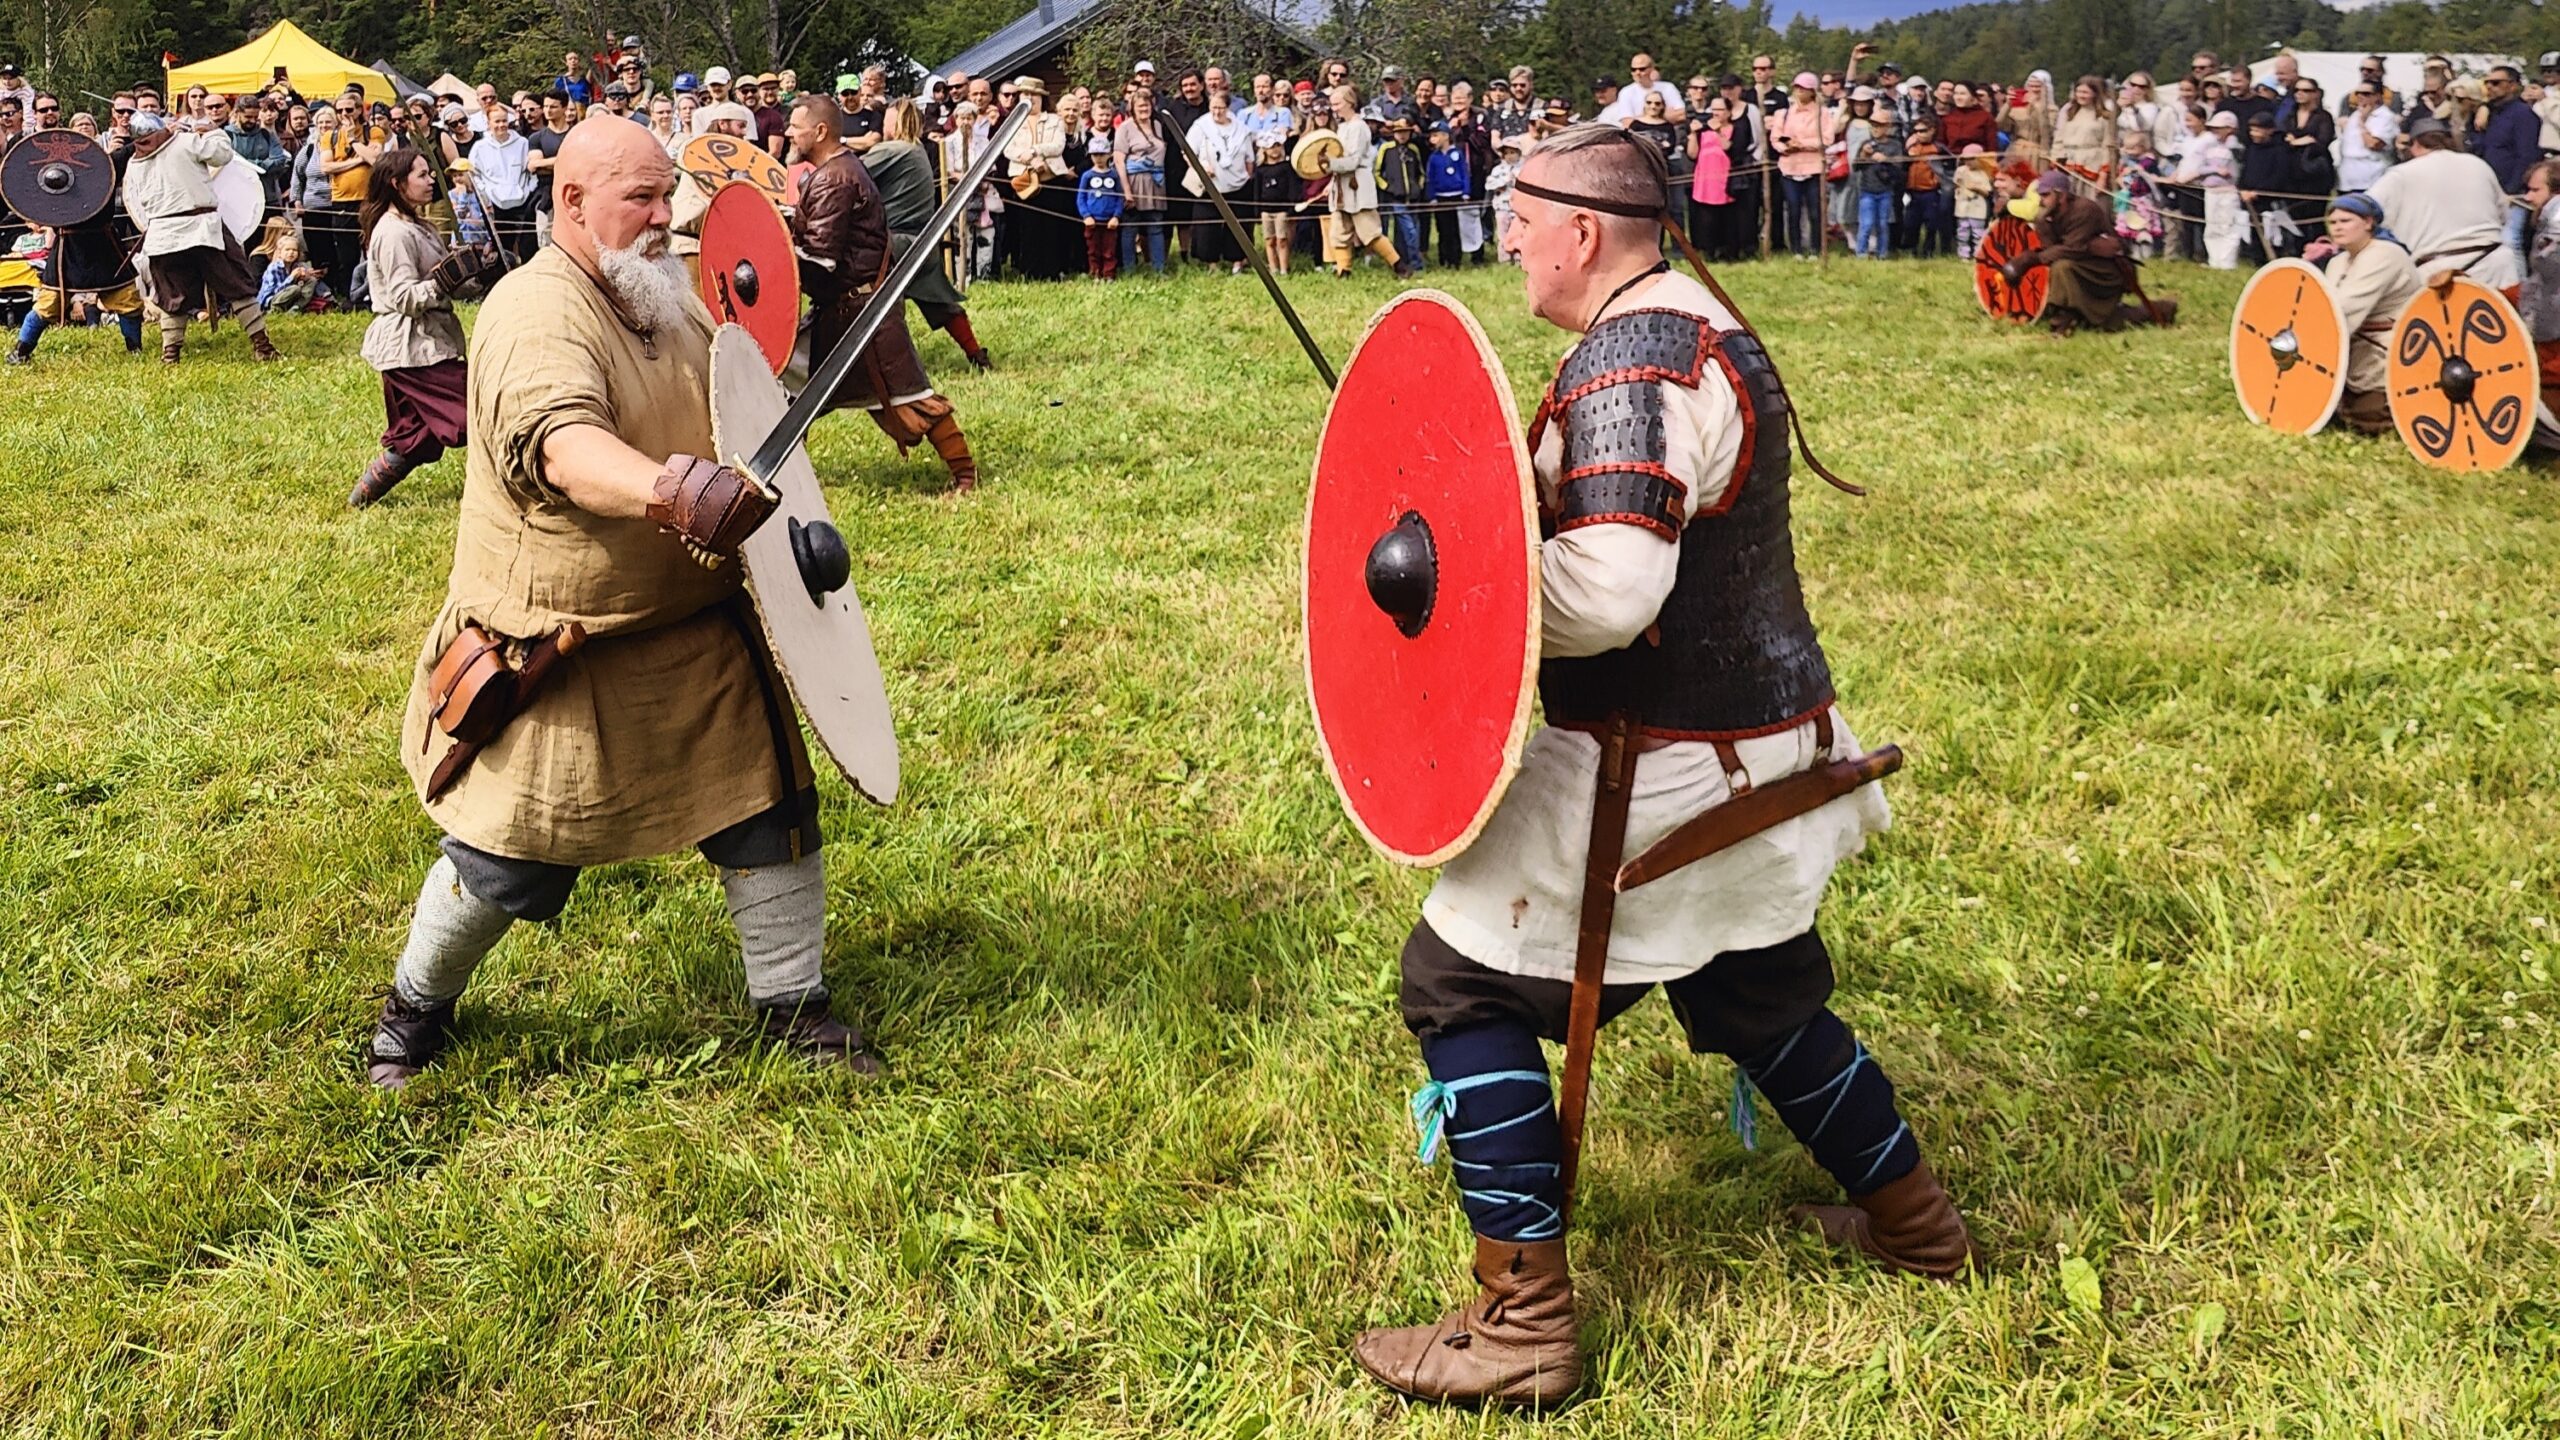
[1489,1100]
[781,915]
[31,330]
[958,328]
[1835,1098]
[953,447]
[450,934]
[131,325]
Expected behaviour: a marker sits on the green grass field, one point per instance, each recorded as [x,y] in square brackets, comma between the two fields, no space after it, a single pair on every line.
[2209,950]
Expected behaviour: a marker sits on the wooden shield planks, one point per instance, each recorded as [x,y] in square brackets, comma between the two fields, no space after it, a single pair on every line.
[712,161]
[1422,719]
[2463,379]
[821,644]
[2289,349]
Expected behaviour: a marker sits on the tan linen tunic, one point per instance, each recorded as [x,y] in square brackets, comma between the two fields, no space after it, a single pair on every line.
[656,735]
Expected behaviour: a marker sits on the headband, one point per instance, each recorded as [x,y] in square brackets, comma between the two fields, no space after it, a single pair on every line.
[1588,202]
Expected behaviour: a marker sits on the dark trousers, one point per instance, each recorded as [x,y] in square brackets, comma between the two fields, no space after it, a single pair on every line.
[514,224]
[330,235]
[1445,224]
[1928,224]
[1804,218]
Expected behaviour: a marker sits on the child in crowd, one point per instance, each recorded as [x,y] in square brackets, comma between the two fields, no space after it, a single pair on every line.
[1401,182]
[1497,188]
[1878,173]
[1973,199]
[288,284]
[2141,217]
[470,213]
[1927,211]
[1446,182]
[1099,202]
[1276,192]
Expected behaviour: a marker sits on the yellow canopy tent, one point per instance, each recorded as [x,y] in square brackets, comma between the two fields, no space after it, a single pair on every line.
[308,65]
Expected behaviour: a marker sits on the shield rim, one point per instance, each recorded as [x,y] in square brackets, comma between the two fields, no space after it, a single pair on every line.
[106,200]
[1518,737]
[2346,342]
[702,281]
[2391,386]
[728,174]
[894,780]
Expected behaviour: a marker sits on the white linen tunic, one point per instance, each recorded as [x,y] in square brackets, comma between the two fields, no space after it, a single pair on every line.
[1513,901]
[162,187]
[2442,203]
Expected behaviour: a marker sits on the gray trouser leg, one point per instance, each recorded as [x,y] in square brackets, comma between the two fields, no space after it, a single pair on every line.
[781,914]
[452,930]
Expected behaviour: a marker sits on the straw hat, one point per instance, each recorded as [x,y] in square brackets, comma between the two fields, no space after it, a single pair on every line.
[1030,85]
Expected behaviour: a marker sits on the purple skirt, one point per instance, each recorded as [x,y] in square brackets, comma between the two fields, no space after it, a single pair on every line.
[423,410]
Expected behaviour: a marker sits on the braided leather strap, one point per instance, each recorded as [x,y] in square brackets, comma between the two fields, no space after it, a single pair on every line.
[710,507]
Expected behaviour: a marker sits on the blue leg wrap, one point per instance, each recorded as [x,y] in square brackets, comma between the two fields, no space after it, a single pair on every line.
[1831,1093]
[1488,1100]
[131,325]
[30,330]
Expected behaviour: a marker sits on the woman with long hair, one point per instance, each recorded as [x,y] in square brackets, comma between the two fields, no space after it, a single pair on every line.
[415,339]
[903,172]
[1047,240]
[1137,152]
[2084,132]
[2030,121]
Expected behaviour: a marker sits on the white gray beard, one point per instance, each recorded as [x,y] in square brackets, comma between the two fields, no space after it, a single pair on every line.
[648,279]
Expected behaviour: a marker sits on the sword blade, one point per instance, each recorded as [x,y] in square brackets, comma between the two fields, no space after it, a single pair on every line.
[829,376]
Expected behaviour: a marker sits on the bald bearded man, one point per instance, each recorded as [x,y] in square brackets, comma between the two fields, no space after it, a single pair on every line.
[595,551]
[1672,611]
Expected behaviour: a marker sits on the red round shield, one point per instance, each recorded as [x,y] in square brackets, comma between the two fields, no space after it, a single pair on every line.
[749,277]
[2008,238]
[1421,582]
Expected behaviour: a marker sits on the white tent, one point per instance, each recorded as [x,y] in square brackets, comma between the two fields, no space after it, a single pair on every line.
[2336,70]
[449,83]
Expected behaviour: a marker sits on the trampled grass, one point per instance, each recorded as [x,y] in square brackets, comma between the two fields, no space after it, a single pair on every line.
[2209,950]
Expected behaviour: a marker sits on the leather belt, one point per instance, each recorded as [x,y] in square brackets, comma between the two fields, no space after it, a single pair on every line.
[1645,741]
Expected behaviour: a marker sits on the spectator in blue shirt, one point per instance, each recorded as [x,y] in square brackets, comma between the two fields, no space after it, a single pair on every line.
[1445,177]
[2511,141]
[1099,202]
[573,81]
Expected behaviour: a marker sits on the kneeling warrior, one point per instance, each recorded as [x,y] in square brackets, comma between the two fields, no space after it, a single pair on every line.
[90,257]
[196,267]
[842,232]
[589,401]
[1673,618]
[415,339]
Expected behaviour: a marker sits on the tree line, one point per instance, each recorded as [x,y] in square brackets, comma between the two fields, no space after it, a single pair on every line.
[99,45]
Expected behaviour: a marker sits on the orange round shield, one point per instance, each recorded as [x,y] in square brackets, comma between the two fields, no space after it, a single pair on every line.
[749,274]
[2463,379]
[2008,238]
[714,160]
[2289,348]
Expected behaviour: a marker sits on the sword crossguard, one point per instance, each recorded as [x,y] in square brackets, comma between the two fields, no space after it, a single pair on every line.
[764,487]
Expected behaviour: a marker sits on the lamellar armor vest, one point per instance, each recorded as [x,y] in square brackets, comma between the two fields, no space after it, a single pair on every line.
[1733,653]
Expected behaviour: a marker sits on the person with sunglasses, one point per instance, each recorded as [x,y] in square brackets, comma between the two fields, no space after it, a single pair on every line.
[2511,141]
[45,113]
[243,124]
[2368,138]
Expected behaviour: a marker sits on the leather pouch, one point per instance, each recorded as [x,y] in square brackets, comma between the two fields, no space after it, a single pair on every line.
[472,689]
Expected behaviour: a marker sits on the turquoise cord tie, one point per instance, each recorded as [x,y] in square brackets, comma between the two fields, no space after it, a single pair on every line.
[1742,1115]
[1436,1104]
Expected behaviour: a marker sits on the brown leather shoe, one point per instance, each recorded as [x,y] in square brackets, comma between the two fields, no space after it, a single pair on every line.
[406,1040]
[817,1036]
[262,347]
[1910,1225]
[1512,1345]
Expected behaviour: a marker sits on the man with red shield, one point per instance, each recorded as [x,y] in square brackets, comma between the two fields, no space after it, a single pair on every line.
[1680,673]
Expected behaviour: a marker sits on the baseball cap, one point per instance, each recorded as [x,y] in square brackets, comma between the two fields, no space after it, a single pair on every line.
[458,166]
[768,78]
[2225,120]
[1603,82]
[2550,61]
[687,83]
[1304,87]
[617,91]
[1392,72]
[1806,80]
[716,75]
[1884,65]
[2423,125]
[1863,92]
[9,68]
[1558,110]
[848,83]
[1143,67]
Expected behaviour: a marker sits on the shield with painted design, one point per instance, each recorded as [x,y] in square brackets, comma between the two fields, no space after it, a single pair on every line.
[57,177]
[2289,348]
[800,572]
[2008,238]
[749,275]
[1421,582]
[712,161]
[2463,379]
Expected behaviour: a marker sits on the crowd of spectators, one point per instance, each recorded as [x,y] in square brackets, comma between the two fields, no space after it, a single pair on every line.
[2225,163]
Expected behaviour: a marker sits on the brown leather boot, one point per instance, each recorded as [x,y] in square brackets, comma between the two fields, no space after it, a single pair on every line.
[953,447]
[1512,1345]
[261,346]
[1910,1225]
[171,349]
[812,1032]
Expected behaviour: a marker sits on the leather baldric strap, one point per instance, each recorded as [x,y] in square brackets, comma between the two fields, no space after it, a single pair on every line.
[1612,789]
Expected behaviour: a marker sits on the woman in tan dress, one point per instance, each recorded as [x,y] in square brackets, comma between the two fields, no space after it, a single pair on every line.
[2030,122]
